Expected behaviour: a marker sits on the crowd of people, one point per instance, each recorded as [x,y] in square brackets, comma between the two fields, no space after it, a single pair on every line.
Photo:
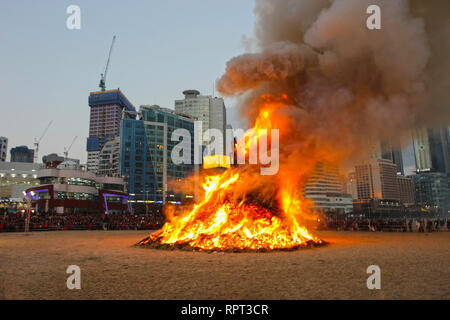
[82,221]
[385,224]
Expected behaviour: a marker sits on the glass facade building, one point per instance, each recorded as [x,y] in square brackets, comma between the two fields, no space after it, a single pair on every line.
[432,149]
[431,191]
[145,155]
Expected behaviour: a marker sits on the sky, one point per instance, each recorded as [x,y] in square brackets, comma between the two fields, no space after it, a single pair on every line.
[162,48]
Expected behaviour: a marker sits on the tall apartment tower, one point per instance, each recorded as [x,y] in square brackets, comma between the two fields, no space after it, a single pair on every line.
[3,148]
[409,159]
[431,149]
[325,188]
[350,185]
[377,179]
[406,189]
[108,108]
[389,149]
[207,109]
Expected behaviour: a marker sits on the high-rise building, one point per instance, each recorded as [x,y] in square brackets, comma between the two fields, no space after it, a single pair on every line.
[377,179]
[397,159]
[145,155]
[389,149]
[3,148]
[422,151]
[378,188]
[107,110]
[350,185]
[325,188]
[439,147]
[406,189]
[431,149]
[432,191]
[109,159]
[409,159]
[207,109]
[22,154]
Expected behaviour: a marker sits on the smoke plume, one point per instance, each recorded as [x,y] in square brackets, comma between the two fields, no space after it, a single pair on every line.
[346,85]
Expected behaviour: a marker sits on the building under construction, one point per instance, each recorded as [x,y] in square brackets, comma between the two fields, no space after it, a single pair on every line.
[108,108]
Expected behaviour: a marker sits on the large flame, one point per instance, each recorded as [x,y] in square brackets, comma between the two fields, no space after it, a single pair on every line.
[218,223]
[235,213]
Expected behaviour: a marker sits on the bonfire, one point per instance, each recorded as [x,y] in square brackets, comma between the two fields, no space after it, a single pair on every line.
[221,224]
[242,210]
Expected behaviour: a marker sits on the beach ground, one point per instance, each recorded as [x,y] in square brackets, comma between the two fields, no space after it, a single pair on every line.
[413,266]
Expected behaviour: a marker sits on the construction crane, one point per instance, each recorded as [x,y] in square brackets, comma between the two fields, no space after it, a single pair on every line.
[66,150]
[38,141]
[102,84]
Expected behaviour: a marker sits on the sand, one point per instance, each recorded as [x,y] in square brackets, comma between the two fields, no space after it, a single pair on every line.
[413,266]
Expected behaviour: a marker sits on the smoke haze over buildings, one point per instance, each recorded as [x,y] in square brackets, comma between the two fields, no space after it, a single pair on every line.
[346,84]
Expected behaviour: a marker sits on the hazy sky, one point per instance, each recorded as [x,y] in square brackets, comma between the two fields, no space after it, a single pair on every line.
[162,48]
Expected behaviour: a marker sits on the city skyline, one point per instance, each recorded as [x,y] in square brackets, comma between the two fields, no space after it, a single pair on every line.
[44,60]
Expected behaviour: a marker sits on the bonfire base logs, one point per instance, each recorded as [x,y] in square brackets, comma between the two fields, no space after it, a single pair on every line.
[156,244]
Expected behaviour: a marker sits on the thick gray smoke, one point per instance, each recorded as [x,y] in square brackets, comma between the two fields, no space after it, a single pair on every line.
[346,84]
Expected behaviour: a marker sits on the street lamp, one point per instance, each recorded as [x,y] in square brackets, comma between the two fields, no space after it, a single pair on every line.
[27,219]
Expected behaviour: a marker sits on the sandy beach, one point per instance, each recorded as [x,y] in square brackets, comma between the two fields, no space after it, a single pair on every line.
[413,266]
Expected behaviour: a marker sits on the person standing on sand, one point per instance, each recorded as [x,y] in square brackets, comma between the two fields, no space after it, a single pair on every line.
[429,226]
[420,225]
[105,222]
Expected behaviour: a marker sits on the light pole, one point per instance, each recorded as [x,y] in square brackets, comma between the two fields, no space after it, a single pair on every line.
[27,219]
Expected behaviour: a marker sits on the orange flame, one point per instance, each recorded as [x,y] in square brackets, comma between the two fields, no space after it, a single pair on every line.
[228,218]
[217,223]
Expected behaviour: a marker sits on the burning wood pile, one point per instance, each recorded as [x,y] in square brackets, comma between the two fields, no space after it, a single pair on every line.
[220,224]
